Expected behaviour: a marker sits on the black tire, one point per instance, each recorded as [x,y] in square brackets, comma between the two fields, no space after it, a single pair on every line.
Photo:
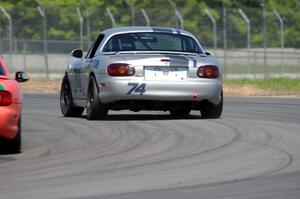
[180,112]
[212,111]
[95,109]
[66,100]
[14,145]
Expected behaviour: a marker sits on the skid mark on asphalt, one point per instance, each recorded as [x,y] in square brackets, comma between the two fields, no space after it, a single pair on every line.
[126,153]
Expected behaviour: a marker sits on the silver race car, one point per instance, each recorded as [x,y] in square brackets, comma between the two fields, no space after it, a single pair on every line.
[142,68]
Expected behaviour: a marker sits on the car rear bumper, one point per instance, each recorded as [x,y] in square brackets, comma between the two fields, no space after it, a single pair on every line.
[9,121]
[114,89]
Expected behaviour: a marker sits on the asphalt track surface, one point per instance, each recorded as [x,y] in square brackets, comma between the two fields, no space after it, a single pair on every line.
[253,151]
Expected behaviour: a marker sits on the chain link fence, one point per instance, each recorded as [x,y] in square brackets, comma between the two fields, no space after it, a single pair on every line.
[251,43]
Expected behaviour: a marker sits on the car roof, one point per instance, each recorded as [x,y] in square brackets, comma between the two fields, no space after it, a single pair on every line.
[145,29]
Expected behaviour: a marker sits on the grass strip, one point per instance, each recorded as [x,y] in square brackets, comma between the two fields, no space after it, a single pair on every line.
[275,84]
[239,87]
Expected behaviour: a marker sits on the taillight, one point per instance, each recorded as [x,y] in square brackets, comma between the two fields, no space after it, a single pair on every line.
[120,69]
[5,98]
[208,71]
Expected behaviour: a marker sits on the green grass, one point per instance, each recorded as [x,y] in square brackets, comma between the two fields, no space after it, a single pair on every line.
[274,84]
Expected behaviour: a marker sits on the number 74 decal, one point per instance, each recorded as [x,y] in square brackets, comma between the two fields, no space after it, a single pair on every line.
[136,88]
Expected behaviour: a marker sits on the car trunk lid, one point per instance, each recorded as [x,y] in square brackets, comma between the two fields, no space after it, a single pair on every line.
[160,66]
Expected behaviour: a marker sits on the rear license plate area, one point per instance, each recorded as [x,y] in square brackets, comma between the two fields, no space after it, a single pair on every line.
[165,73]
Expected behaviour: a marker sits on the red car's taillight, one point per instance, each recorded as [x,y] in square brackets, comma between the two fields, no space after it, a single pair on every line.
[5,98]
[120,69]
[208,71]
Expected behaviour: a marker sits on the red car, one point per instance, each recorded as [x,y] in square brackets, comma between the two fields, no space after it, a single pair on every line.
[10,110]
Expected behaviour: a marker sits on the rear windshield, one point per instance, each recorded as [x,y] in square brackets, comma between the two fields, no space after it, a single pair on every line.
[2,72]
[152,42]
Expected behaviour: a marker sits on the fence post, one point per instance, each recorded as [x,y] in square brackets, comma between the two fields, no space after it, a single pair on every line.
[24,50]
[88,28]
[280,19]
[145,16]
[132,12]
[225,40]
[214,24]
[246,19]
[43,15]
[255,64]
[80,27]
[112,19]
[264,39]
[179,19]
[298,62]
[10,34]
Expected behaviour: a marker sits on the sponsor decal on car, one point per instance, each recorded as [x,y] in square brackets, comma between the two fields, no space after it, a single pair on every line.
[95,63]
[2,88]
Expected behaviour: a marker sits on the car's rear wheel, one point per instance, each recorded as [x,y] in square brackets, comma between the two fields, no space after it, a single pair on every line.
[14,145]
[66,100]
[94,108]
[212,111]
[180,112]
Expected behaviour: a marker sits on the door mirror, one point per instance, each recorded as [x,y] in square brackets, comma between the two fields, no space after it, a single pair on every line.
[208,53]
[21,76]
[78,53]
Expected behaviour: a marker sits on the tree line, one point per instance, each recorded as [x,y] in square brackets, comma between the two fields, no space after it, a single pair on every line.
[63,20]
